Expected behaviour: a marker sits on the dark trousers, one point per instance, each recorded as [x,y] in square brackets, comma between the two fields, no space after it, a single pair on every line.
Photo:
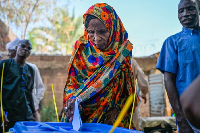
[9,125]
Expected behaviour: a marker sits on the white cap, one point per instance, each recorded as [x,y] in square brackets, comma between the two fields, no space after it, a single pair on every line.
[12,45]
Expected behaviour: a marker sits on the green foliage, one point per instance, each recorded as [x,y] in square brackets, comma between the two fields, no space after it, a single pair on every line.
[48,113]
[21,13]
[59,36]
[58,32]
[31,39]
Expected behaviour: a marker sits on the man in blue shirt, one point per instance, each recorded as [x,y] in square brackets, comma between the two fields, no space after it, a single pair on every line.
[179,59]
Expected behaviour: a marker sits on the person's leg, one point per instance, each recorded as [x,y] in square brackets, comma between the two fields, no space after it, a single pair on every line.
[9,125]
[136,119]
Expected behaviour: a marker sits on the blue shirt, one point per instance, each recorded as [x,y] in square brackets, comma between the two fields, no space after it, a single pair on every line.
[180,54]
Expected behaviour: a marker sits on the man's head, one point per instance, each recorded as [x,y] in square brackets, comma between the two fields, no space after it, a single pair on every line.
[188,13]
[24,48]
[11,47]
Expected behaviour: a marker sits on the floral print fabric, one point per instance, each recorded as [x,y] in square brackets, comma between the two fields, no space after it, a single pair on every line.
[101,79]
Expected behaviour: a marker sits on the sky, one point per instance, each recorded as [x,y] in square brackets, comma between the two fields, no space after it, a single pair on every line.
[148,22]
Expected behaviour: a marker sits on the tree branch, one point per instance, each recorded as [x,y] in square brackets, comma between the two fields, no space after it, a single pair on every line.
[29,18]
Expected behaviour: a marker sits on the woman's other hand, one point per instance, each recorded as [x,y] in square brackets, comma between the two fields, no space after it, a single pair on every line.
[110,117]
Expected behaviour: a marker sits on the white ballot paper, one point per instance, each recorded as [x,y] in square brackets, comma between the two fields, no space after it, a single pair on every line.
[77,122]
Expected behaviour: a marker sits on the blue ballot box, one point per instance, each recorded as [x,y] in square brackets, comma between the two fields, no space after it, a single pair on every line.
[59,127]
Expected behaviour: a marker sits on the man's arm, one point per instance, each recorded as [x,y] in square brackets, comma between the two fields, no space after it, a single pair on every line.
[190,101]
[170,86]
[40,89]
[142,84]
[30,91]
[141,79]
[32,102]
[32,106]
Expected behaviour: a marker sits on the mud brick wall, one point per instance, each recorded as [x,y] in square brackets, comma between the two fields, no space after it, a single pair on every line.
[53,70]
[6,35]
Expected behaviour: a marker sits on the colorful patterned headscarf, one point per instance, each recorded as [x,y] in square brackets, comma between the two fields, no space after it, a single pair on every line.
[101,79]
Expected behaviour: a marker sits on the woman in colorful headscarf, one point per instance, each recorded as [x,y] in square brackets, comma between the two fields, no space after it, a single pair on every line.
[100,71]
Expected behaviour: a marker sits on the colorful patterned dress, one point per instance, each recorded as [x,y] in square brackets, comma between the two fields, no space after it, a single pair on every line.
[101,79]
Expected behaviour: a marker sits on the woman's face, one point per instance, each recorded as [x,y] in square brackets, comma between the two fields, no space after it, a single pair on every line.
[98,34]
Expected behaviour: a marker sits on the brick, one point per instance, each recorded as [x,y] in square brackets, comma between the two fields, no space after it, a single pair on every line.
[46,72]
[57,87]
[59,105]
[49,88]
[64,80]
[44,79]
[60,87]
[33,58]
[59,109]
[61,72]
[47,58]
[49,95]
[62,58]
[59,96]
[54,80]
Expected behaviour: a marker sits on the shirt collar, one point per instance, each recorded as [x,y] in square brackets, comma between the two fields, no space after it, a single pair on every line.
[190,31]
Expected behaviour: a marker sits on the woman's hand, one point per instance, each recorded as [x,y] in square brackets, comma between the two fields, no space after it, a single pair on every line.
[110,117]
[69,109]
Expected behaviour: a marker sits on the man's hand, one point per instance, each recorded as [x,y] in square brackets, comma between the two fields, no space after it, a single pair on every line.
[5,119]
[144,97]
[35,116]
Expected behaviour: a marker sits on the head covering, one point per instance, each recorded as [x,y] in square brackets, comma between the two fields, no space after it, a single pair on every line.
[88,18]
[25,42]
[101,79]
[12,45]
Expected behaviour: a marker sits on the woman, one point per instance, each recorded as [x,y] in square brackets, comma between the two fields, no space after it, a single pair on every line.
[100,71]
